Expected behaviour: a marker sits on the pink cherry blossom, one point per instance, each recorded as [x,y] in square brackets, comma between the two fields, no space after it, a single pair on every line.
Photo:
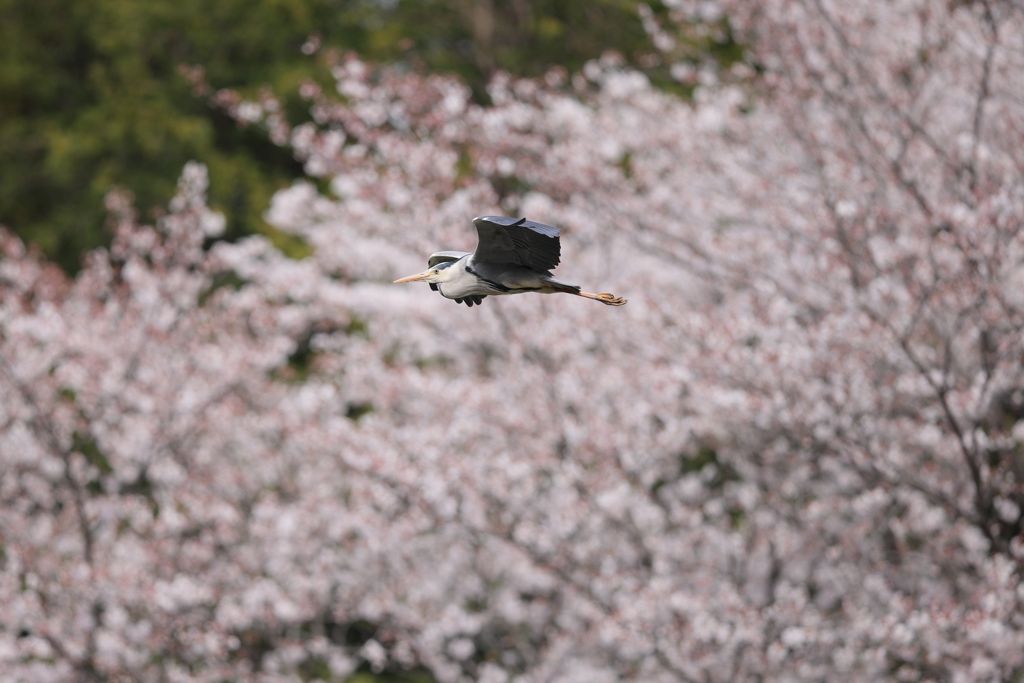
[795,455]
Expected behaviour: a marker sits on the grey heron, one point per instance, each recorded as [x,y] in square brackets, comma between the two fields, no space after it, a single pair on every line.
[512,256]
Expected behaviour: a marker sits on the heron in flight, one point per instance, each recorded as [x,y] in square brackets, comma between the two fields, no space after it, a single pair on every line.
[512,256]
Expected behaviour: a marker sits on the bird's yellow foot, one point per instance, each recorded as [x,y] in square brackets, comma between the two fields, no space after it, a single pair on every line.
[610,299]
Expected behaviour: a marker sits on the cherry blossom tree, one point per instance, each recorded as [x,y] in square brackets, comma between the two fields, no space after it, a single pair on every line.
[794,455]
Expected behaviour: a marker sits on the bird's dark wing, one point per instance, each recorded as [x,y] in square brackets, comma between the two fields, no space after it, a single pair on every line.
[516,241]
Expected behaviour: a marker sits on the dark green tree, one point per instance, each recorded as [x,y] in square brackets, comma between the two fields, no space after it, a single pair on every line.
[92,96]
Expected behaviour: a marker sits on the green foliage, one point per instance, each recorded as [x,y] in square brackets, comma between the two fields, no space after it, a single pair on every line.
[410,677]
[473,38]
[93,95]
[705,461]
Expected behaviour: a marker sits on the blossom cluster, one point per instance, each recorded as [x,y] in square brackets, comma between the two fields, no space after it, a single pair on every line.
[796,453]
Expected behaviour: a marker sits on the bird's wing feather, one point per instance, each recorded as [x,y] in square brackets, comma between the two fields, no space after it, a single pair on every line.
[517,241]
[445,257]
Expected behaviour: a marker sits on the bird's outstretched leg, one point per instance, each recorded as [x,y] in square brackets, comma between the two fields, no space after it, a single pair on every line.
[603,297]
[553,285]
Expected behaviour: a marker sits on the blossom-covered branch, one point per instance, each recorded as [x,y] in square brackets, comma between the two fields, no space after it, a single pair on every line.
[797,456]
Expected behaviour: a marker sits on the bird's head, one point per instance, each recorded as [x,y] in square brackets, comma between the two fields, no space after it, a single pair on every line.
[439,273]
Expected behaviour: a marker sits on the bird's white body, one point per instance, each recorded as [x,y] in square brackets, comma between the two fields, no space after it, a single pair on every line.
[490,279]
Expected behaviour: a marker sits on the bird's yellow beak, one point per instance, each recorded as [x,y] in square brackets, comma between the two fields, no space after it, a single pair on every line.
[414,278]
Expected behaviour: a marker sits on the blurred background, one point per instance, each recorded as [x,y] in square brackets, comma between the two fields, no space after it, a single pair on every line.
[101,94]
[232,449]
